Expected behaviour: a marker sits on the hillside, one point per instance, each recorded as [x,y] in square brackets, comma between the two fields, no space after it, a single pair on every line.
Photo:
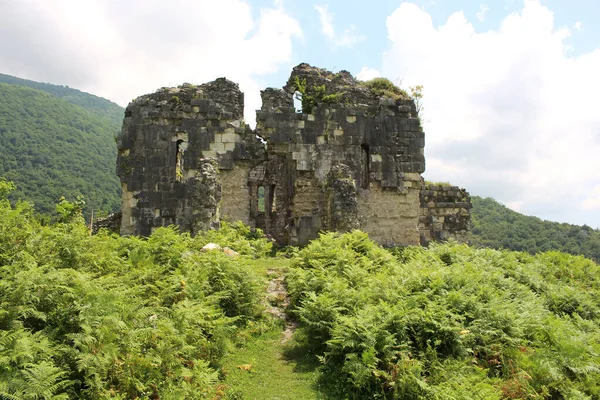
[497,226]
[98,105]
[58,142]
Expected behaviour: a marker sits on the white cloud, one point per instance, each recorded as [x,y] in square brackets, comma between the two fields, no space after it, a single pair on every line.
[326,19]
[366,74]
[514,205]
[120,50]
[347,39]
[509,113]
[592,202]
[578,26]
[481,14]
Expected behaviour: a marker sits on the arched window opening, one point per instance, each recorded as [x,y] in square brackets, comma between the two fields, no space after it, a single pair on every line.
[365,165]
[181,146]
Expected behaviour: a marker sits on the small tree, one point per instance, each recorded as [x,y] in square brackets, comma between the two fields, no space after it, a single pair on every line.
[416,93]
[68,211]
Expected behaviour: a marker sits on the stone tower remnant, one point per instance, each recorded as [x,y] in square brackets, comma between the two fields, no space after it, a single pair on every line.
[351,159]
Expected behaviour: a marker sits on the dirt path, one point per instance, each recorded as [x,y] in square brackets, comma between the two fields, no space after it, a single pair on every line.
[278,299]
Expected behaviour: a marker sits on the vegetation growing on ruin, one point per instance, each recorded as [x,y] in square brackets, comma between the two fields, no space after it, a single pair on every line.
[384,87]
[313,96]
[429,184]
[105,316]
[497,226]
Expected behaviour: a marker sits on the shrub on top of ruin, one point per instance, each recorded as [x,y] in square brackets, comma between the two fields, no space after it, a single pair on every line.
[384,87]
[428,184]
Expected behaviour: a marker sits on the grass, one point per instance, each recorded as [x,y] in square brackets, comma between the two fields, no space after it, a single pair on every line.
[259,371]
[262,265]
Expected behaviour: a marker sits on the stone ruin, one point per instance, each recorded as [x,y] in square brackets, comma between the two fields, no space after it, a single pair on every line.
[352,158]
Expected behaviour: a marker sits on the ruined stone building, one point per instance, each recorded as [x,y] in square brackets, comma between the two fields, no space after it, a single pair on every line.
[351,158]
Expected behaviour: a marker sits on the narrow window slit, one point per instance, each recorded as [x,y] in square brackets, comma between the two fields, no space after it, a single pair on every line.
[366,165]
[272,200]
[261,198]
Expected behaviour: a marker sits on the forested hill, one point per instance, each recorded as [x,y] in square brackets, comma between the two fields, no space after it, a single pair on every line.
[57,142]
[98,105]
[497,226]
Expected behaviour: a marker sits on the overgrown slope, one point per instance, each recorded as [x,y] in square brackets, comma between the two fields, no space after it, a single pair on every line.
[51,147]
[111,317]
[90,317]
[448,322]
[497,226]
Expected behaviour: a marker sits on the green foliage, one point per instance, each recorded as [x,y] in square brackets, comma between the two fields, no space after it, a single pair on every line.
[310,97]
[102,316]
[385,87]
[58,141]
[6,187]
[497,226]
[67,210]
[448,322]
[239,237]
[416,94]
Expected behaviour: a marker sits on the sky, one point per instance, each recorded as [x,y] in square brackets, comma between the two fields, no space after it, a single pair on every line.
[510,107]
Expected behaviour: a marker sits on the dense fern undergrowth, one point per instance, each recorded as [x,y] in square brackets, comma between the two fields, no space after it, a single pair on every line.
[448,322]
[108,317]
[112,317]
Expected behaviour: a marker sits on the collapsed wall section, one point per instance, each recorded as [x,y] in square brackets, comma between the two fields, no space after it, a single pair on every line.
[444,213]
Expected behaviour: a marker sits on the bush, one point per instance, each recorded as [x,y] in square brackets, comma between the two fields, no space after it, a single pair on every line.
[385,87]
[238,237]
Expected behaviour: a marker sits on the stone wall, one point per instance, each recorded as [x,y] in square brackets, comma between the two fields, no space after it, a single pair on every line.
[165,137]
[444,213]
[112,223]
[378,139]
[351,158]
